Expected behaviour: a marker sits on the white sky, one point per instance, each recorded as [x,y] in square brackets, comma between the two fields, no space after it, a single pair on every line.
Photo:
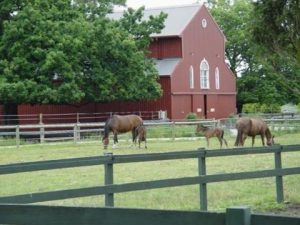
[158,3]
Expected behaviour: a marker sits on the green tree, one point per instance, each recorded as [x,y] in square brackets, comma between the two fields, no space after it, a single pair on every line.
[277,26]
[263,76]
[57,52]
[234,19]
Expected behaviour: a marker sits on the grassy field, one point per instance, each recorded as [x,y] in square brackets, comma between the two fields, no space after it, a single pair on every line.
[259,194]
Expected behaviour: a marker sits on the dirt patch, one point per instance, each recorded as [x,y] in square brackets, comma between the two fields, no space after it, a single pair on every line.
[289,210]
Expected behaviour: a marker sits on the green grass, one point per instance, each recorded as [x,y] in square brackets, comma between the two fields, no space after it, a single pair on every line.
[259,194]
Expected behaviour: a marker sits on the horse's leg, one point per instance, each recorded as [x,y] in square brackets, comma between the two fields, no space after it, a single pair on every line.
[243,140]
[115,139]
[238,139]
[220,140]
[207,141]
[253,138]
[225,142]
[145,142]
[134,137]
[263,139]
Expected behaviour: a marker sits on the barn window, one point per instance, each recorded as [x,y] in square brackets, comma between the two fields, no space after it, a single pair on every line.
[204,23]
[204,74]
[191,77]
[217,78]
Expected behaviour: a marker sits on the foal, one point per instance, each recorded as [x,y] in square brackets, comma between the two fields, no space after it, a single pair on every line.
[140,135]
[212,132]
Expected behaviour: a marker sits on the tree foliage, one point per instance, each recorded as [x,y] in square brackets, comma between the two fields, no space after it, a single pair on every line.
[57,52]
[277,26]
[263,75]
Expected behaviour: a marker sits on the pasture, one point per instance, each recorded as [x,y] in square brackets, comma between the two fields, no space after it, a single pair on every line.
[259,194]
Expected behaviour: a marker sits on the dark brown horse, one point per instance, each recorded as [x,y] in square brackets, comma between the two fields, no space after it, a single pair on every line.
[120,124]
[209,132]
[140,135]
[252,127]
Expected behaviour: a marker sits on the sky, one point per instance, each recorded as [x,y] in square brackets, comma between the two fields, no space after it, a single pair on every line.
[158,3]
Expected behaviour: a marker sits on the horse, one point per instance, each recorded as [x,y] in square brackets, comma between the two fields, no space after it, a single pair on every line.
[118,124]
[140,135]
[252,127]
[212,132]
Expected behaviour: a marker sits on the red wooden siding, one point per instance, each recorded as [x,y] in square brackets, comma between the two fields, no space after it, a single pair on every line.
[166,48]
[182,105]
[29,113]
[162,103]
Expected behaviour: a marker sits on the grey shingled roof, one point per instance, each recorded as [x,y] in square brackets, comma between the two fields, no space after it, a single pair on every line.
[165,67]
[178,18]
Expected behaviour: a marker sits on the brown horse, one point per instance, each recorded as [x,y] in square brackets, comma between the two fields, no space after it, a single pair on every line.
[252,127]
[140,135]
[120,124]
[212,132]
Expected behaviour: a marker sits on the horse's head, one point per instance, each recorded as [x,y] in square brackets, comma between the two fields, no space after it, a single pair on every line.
[270,137]
[270,141]
[105,141]
[199,128]
[105,134]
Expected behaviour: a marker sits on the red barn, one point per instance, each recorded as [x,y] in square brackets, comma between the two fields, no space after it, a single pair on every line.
[189,54]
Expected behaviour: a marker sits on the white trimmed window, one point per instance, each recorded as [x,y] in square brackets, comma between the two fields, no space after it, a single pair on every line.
[191,77]
[204,74]
[217,78]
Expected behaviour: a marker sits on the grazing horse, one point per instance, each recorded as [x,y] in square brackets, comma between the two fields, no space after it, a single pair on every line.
[252,127]
[140,135]
[120,124]
[212,132]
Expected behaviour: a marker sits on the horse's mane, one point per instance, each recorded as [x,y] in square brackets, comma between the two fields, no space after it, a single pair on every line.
[106,128]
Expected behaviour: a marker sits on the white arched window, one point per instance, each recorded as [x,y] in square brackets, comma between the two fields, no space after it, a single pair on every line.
[217,78]
[191,77]
[204,74]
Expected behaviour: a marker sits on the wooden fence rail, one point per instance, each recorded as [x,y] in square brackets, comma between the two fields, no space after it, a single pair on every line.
[54,215]
[110,188]
[74,131]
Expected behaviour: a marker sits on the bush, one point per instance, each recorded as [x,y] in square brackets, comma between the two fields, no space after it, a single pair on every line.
[261,108]
[191,116]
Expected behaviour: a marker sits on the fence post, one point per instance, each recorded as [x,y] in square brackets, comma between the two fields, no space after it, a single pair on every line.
[42,129]
[173,131]
[42,134]
[75,133]
[109,179]
[18,135]
[238,216]
[202,186]
[279,180]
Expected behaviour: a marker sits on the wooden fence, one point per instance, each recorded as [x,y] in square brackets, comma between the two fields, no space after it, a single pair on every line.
[59,215]
[110,188]
[75,131]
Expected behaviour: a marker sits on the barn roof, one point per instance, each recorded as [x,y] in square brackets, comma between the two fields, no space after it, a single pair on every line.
[178,18]
[165,67]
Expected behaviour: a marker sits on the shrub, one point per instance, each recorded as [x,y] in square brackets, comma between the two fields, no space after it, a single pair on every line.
[191,116]
[261,108]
